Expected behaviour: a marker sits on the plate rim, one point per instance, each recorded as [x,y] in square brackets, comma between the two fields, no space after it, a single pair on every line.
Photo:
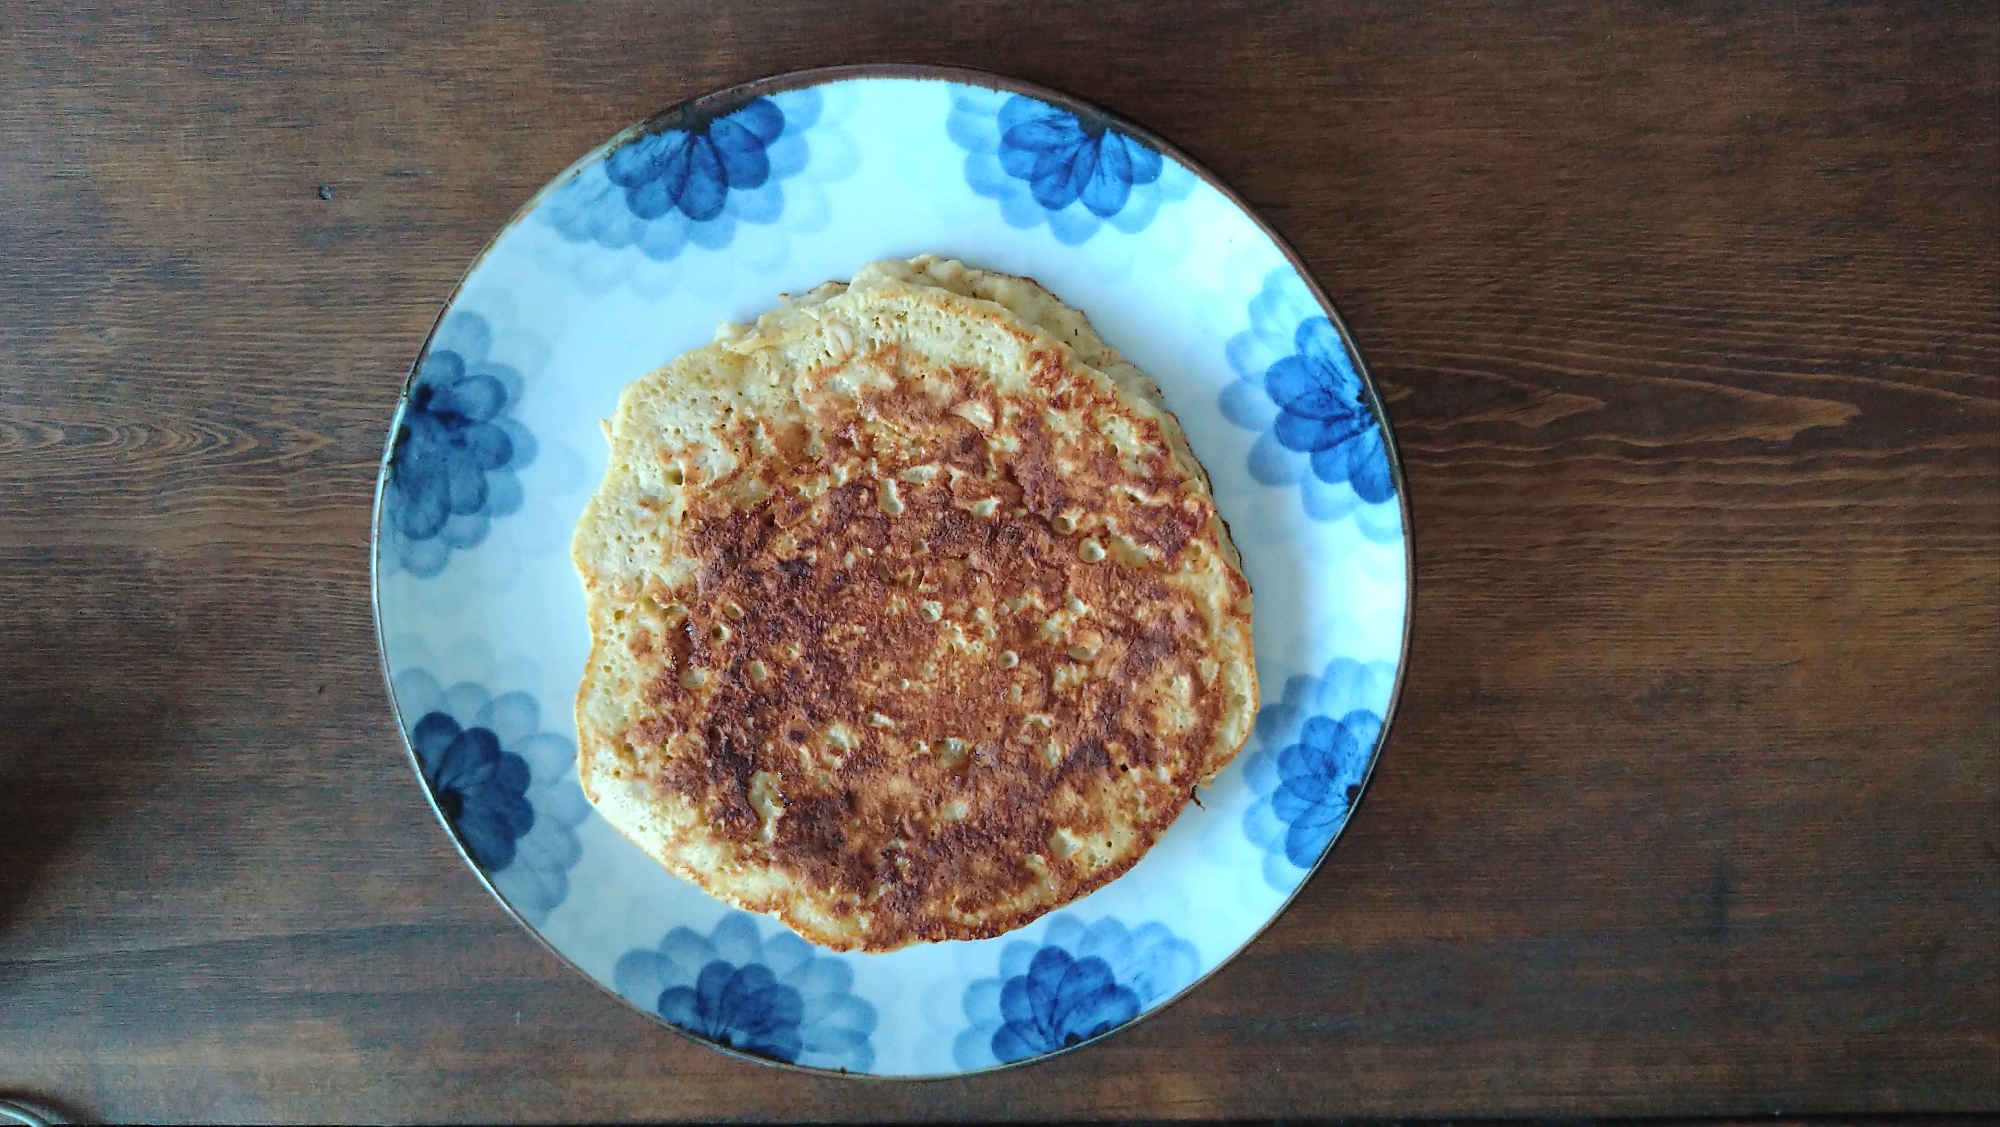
[966,76]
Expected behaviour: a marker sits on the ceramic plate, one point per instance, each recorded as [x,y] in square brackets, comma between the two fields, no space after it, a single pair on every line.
[708,212]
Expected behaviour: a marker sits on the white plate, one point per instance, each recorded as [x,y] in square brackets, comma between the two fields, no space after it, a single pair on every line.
[708,212]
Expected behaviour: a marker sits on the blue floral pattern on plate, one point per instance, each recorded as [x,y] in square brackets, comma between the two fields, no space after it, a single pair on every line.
[775,998]
[1297,383]
[1048,165]
[689,179]
[508,788]
[1078,983]
[452,468]
[1315,746]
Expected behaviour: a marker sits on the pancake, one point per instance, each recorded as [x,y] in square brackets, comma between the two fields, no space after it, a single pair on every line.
[911,615]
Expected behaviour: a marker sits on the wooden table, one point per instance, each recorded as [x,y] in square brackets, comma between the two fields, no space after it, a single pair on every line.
[1689,321]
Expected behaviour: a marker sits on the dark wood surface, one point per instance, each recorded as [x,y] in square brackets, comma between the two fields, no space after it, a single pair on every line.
[1689,319]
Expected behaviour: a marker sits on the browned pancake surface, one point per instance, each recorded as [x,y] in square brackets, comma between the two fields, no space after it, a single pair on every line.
[921,655]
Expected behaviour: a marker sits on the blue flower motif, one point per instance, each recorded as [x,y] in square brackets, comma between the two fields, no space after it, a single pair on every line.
[693,168]
[1319,778]
[772,998]
[1046,164]
[1322,412]
[1065,158]
[452,468]
[1297,383]
[690,178]
[1316,745]
[1077,984]
[1060,1001]
[482,790]
[508,789]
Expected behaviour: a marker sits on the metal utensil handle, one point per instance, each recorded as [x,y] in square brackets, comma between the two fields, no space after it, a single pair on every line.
[25,1115]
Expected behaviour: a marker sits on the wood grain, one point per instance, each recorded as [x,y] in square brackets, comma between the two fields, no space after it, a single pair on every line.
[1689,317]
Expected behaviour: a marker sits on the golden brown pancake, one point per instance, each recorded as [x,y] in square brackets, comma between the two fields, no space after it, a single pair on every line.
[911,614]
